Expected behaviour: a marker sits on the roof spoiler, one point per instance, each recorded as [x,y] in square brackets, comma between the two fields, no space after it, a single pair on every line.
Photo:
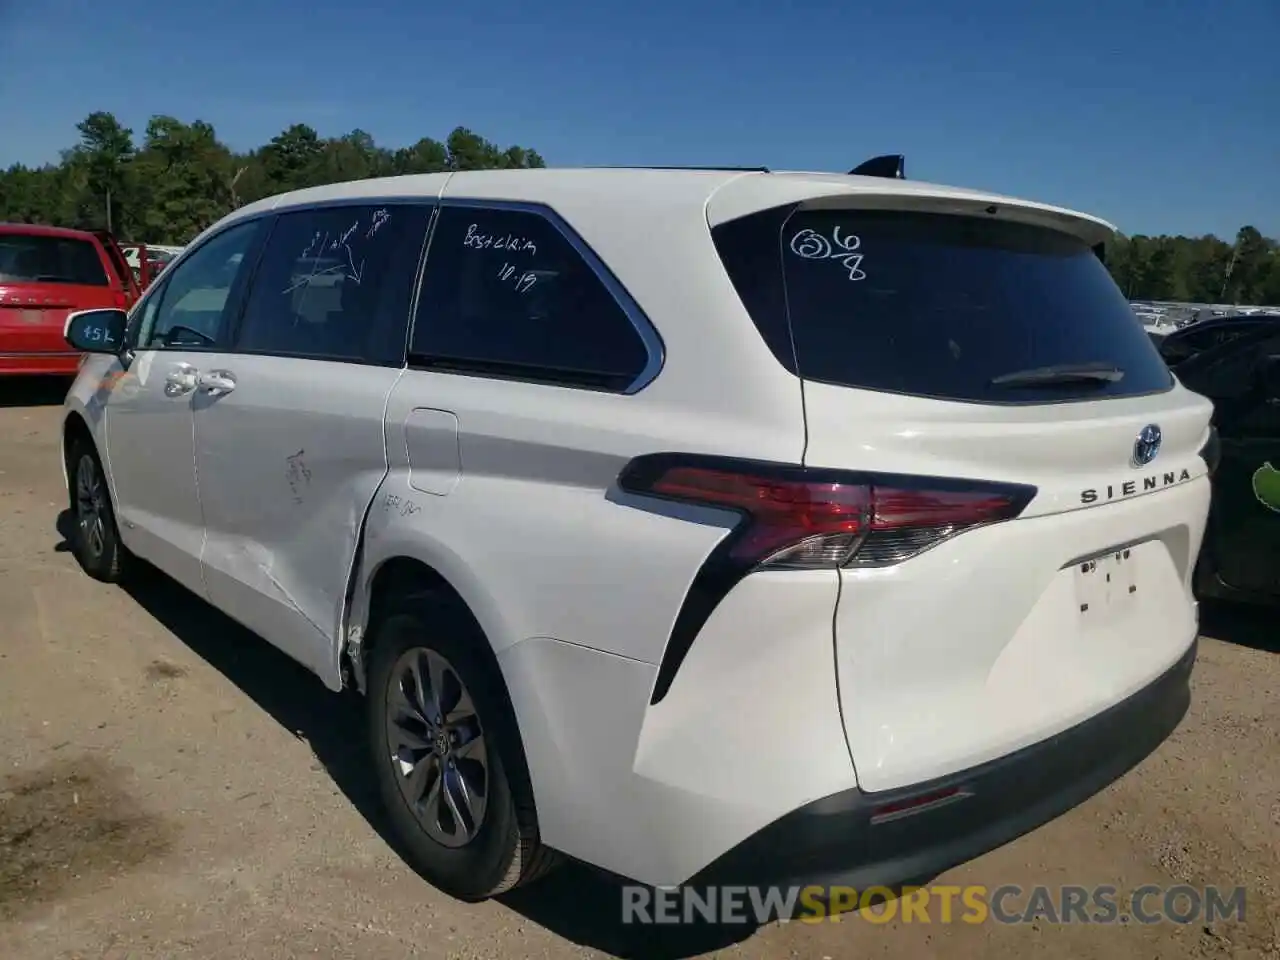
[891,166]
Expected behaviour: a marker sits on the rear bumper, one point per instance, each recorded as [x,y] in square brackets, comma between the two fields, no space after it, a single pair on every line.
[40,364]
[846,839]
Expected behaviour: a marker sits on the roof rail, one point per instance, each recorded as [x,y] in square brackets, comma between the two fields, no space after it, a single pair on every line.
[712,167]
[891,166]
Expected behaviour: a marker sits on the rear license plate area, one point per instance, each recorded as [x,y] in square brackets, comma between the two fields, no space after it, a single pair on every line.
[1107,585]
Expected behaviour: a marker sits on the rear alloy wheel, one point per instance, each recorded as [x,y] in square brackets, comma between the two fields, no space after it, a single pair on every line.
[96,540]
[437,745]
[447,754]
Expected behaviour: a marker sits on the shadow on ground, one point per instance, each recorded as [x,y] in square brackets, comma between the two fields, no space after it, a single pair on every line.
[1247,626]
[27,391]
[574,902]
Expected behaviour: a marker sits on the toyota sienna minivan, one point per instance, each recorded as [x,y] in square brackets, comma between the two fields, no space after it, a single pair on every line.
[700,525]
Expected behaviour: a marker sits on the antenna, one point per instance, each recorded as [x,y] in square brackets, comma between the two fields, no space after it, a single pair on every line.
[891,166]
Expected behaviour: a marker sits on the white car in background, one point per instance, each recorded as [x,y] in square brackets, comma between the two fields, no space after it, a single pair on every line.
[696,524]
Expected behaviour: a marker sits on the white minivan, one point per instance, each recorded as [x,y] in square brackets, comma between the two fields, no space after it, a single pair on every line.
[701,525]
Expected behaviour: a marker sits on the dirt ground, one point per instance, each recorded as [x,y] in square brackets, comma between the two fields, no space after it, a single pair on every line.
[170,786]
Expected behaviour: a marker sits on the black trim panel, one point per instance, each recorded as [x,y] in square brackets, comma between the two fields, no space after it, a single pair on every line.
[841,840]
[1211,452]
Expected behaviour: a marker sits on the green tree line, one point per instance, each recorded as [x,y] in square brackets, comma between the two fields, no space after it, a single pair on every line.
[181,178]
[1198,269]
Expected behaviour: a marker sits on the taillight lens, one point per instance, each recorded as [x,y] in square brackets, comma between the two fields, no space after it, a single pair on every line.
[798,518]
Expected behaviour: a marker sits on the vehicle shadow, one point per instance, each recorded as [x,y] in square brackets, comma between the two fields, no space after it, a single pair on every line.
[574,902]
[1241,624]
[32,391]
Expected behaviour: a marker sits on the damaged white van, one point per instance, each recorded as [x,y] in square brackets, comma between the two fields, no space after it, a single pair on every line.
[700,525]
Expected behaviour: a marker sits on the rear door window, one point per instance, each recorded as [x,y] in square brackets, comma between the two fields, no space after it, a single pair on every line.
[335,283]
[1181,346]
[506,293]
[30,258]
[935,305]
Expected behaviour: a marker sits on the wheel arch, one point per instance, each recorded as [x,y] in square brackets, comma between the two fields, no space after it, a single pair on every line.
[404,575]
[75,429]
[387,564]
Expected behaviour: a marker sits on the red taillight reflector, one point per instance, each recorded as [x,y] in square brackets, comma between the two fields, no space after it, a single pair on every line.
[919,804]
[800,518]
[931,508]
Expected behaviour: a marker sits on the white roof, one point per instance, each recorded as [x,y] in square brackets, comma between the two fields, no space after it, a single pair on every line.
[722,194]
[650,227]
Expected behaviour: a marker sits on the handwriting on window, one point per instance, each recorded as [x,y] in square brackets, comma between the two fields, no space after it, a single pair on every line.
[337,256]
[376,221]
[521,280]
[509,242]
[511,273]
[811,245]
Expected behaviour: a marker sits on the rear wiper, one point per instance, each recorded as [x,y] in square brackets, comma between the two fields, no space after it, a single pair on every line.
[1063,373]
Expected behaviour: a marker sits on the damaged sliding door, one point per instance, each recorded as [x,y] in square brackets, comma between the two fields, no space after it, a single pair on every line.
[289,434]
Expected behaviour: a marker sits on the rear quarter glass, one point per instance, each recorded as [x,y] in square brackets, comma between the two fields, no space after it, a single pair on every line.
[934,305]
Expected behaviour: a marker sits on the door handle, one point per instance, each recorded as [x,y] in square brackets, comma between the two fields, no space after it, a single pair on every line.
[181,379]
[217,381]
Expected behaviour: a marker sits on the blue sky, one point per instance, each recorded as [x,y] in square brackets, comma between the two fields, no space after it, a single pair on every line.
[1162,116]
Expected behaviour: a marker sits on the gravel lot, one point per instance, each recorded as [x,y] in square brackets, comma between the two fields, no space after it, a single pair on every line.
[170,786]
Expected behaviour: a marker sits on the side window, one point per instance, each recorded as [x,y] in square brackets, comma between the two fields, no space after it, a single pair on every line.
[748,248]
[192,309]
[506,293]
[1228,377]
[1261,415]
[1180,346]
[335,283]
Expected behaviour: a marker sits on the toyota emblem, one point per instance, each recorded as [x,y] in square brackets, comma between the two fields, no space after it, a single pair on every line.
[1147,445]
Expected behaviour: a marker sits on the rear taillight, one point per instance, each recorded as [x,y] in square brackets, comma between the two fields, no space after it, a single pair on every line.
[802,519]
[795,518]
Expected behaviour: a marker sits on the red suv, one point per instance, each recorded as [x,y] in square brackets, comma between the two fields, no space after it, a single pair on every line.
[45,274]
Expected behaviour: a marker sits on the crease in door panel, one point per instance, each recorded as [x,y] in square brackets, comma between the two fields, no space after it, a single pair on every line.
[266,572]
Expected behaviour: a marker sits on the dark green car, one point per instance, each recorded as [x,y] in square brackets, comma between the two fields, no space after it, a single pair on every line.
[1235,362]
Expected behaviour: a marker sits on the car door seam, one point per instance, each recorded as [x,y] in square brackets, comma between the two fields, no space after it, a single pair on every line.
[346,639]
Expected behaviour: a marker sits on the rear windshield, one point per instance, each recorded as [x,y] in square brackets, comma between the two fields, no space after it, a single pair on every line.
[936,305]
[26,258]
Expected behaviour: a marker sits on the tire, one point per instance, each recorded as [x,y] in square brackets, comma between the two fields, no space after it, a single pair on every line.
[494,846]
[96,538]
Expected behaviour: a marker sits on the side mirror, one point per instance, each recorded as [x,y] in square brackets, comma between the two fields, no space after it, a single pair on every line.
[96,331]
